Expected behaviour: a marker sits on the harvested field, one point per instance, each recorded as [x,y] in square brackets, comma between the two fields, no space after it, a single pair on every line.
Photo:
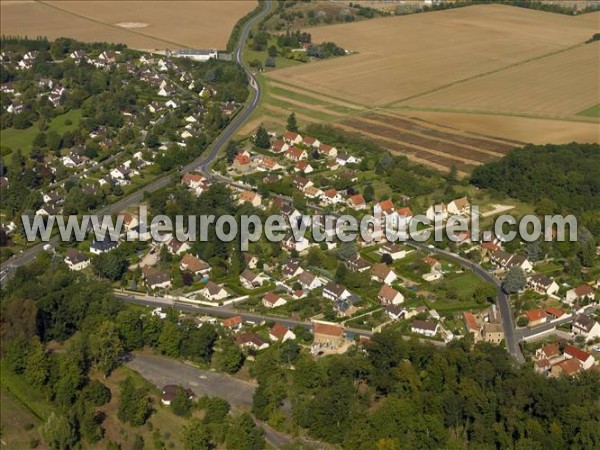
[168,23]
[403,57]
[524,129]
[559,85]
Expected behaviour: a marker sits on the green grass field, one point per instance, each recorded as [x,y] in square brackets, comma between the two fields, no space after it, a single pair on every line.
[23,139]
[594,111]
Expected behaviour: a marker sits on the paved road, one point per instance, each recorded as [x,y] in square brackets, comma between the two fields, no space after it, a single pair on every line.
[202,163]
[162,371]
[502,300]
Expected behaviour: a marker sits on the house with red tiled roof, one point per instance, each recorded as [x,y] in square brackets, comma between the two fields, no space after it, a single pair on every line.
[551,352]
[331,197]
[328,334]
[304,167]
[296,154]
[586,359]
[554,313]
[536,317]
[312,141]
[384,274]
[250,340]
[459,206]
[279,147]
[389,296]
[472,326]
[194,265]
[328,151]
[357,202]
[233,323]
[267,164]
[579,293]
[251,197]
[568,367]
[280,333]
[292,137]
[273,300]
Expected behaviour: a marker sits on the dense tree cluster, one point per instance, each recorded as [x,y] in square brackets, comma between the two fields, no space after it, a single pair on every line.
[402,394]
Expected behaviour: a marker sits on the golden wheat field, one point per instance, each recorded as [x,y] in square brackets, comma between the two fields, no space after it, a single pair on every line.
[141,25]
[402,58]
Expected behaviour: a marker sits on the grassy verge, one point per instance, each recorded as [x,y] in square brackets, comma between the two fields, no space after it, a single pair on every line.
[594,111]
[31,399]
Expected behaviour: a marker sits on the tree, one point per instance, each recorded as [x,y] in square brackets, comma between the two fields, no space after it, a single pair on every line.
[181,404]
[514,280]
[272,50]
[216,410]
[341,273]
[196,436]
[386,258]
[111,265]
[106,347]
[292,124]
[58,433]
[134,406]
[270,61]
[231,152]
[170,340]
[243,434]
[230,358]
[96,393]
[347,251]
[262,139]
[37,365]
[369,193]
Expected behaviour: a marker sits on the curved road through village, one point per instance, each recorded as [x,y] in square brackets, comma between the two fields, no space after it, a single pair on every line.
[202,163]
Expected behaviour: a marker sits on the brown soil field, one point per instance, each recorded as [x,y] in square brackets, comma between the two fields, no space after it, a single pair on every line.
[401,57]
[559,85]
[524,129]
[170,23]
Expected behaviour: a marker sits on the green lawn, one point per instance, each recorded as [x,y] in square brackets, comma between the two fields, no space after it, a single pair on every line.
[32,399]
[23,139]
[594,111]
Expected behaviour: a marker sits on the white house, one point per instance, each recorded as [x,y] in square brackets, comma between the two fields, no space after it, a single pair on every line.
[335,292]
[384,274]
[250,280]
[395,250]
[459,206]
[76,260]
[389,296]
[586,326]
[292,138]
[273,300]
[309,281]
[214,292]
[280,333]
[542,284]
[579,293]
[586,360]
[425,328]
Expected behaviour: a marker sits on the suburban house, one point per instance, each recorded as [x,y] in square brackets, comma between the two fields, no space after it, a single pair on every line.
[331,197]
[550,352]
[279,147]
[156,278]
[273,300]
[280,333]
[250,280]
[344,158]
[304,167]
[296,154]
[439,212]
[194,265]
[395,312]
[170,392]
[76,260]
[357,202]
[312,142]
[403,218]
[292,138]
[302,183]
[233,323]
[358,264]
[268,164]
[290,243]
[309,281]
[251,260]
[213,292]
[395,250]
[579,293]
[492,333]
[586,326]
[291,269]
[328,151]
[536,317]
[459,206]
[542,284]
[345,308]
[335,292]
[103,246]
[568,367]
[389,296]
[177,247]
[507,261]
[384,274]
[250,197]
[424,327]
[250,340]
[328,334]
[586,360]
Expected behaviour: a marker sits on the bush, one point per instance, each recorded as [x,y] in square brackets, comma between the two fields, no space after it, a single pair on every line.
[28,426]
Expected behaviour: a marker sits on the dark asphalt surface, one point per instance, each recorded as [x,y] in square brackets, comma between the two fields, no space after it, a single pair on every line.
[161,371]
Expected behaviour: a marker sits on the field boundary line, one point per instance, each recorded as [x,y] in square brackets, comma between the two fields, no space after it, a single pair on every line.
[126,30]
[314,94]
[416,147]
[279,110]
[484,74]
[298,103]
